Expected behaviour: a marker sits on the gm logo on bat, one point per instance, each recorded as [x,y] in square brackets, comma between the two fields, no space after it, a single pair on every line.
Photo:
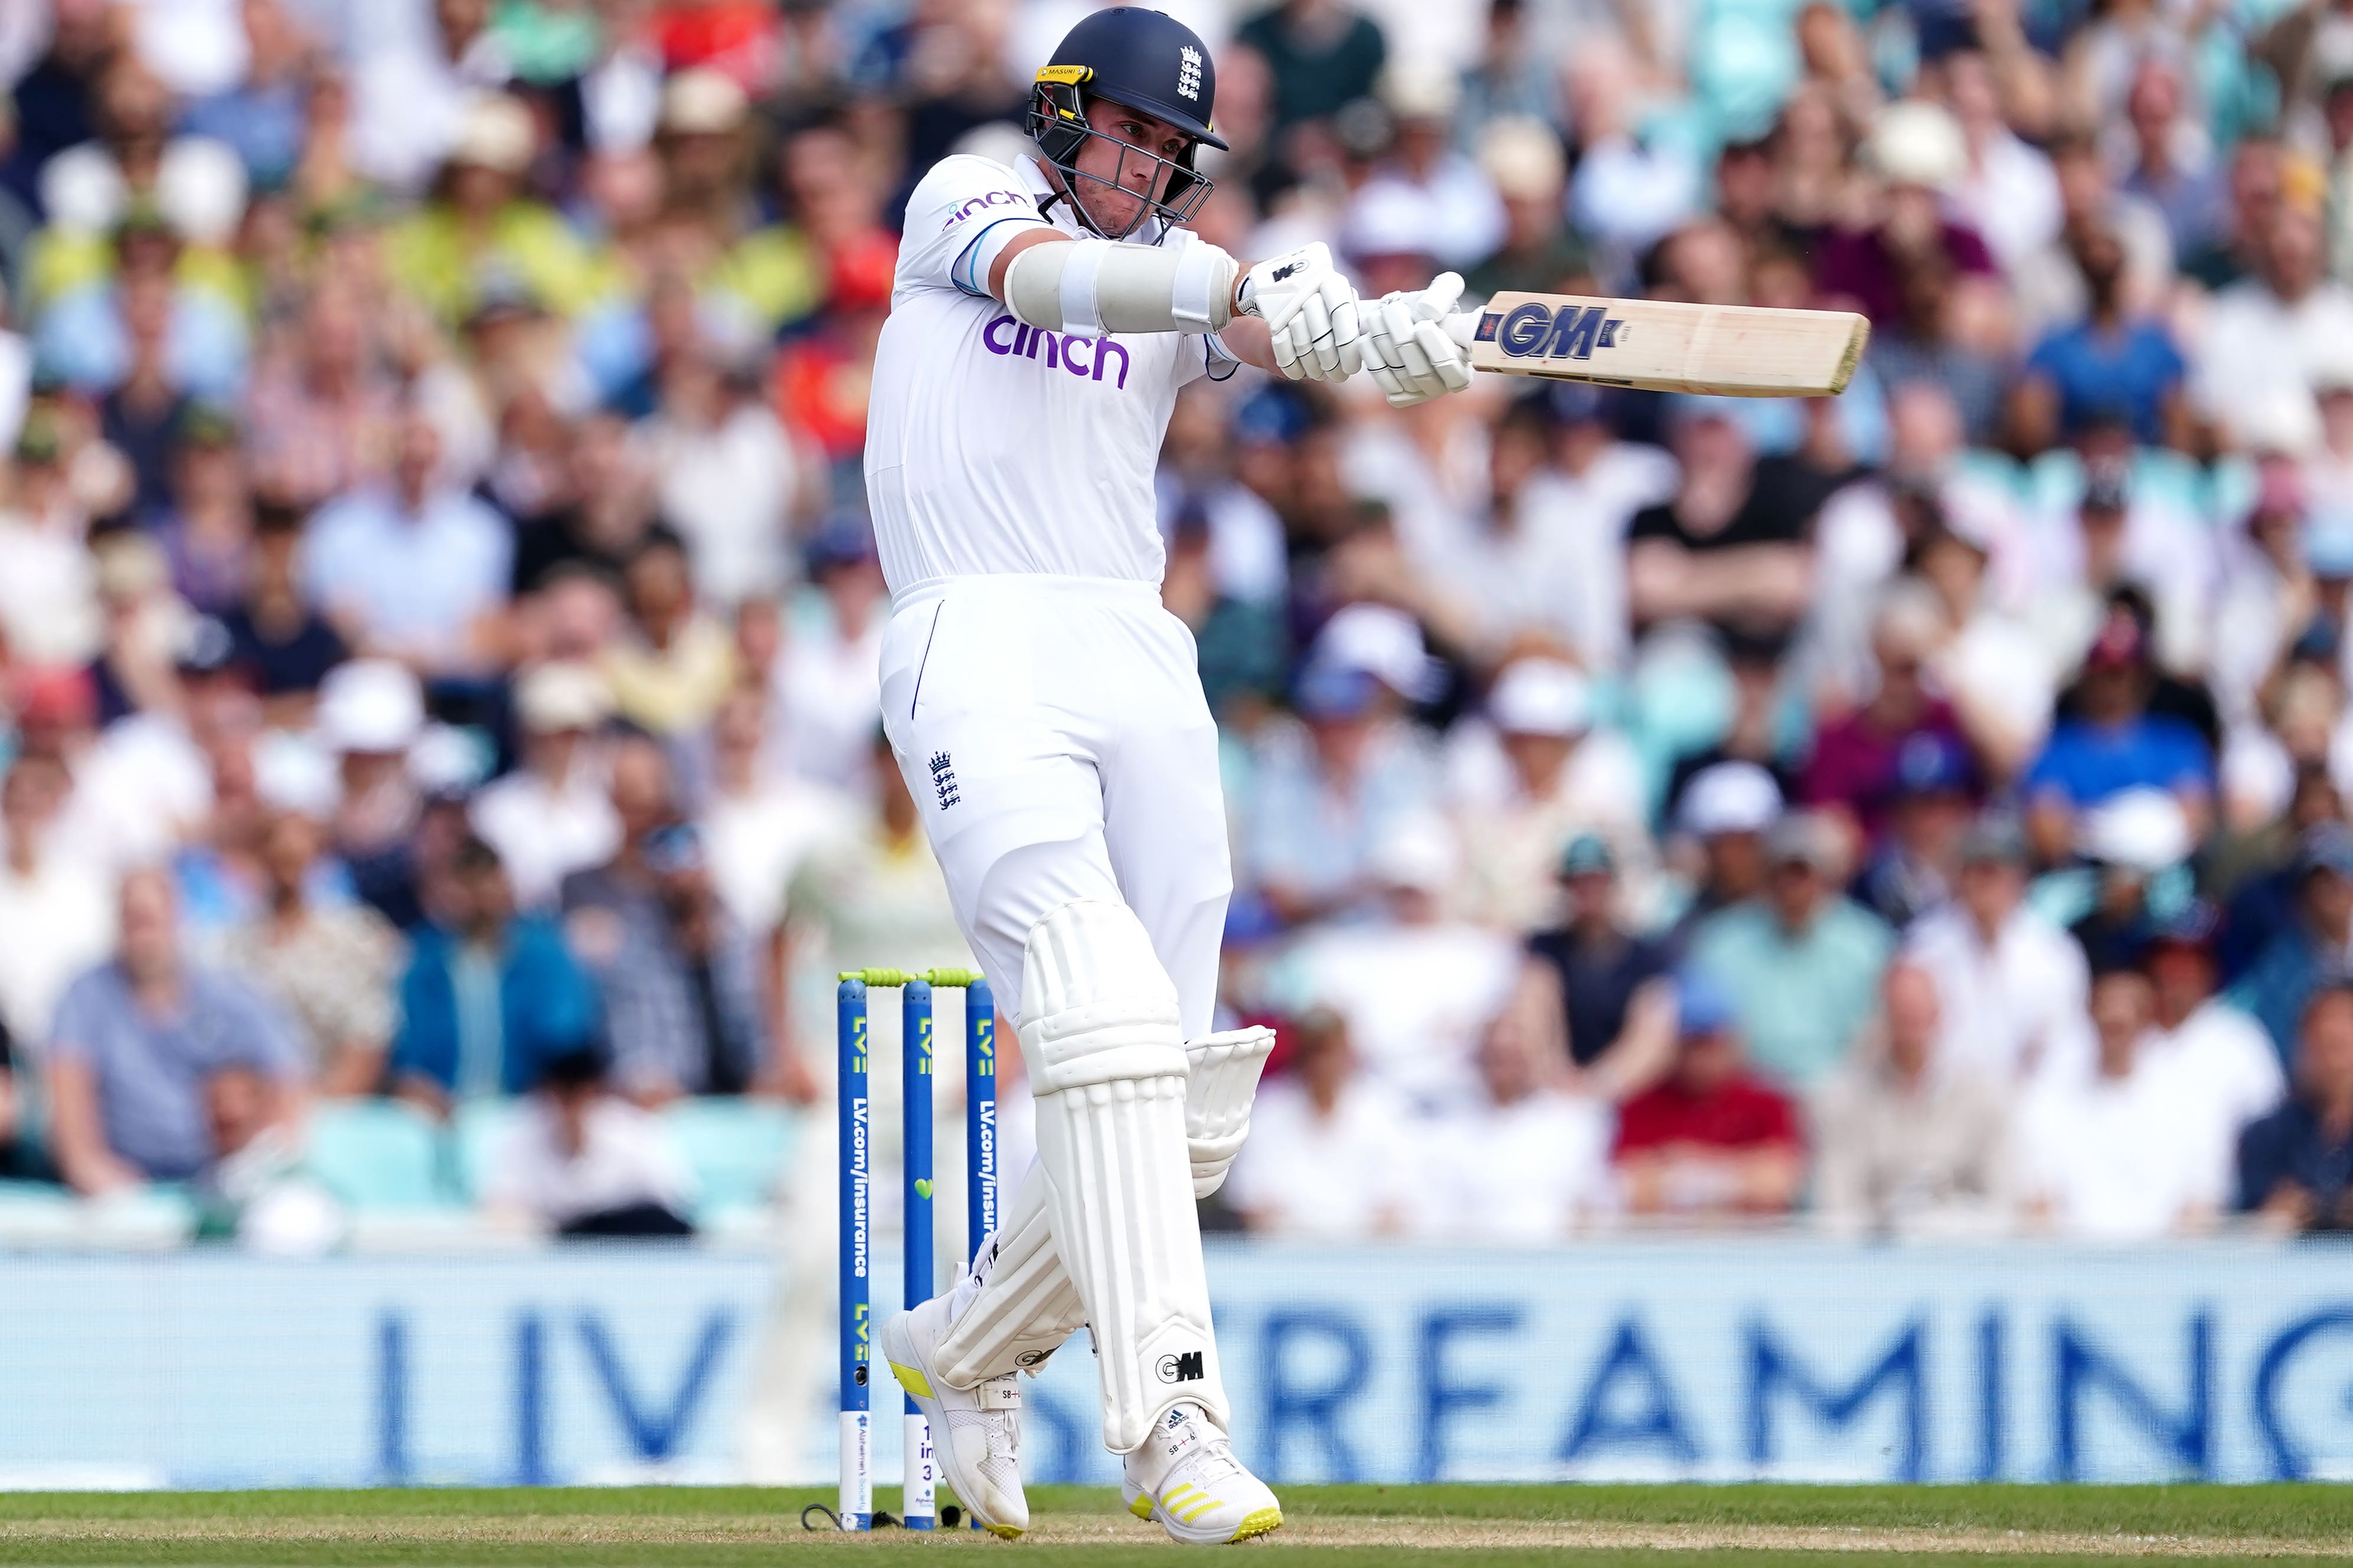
[1534,331]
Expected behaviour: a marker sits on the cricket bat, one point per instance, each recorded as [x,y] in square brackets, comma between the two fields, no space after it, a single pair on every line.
[1738,351]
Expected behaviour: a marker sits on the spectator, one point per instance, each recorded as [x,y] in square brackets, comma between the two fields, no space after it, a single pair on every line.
[1801,963]
[255,1187]
[2107,363]
[1329,789]
[287,645]
[1927,815]
[552,816]
[490,995]
[1534,776]
[760,821]
[2265,335]
[2296,1165]
[1537,251]
[1917,150]
[55,920]
[682,1001]
[1524,1163]
[2309,951]
[2011,987]
[134,1041]
[583,1161]
[1727,807]
[1604,990]
[1330,1155]
[1731,548]
[332,966]
[413,571]
[2115,743]
[1859,761]
[1323,55]
[676,662]
[1711,1140]
[2101,1152]
[2227,1073]
[1907,1145]
[827,681]
[1414,982]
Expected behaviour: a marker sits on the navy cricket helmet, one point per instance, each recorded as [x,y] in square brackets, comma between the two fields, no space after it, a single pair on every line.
[1144,60]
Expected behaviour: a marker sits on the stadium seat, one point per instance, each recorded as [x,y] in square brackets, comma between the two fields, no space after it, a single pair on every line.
[737,1149]
[375,1154]
[474,1136]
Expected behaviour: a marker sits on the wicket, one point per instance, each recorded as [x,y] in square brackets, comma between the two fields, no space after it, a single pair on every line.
[918,1503]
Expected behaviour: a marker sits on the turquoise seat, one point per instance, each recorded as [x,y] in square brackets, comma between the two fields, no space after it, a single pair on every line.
[476,1130]
[736,1148]
[376,1153]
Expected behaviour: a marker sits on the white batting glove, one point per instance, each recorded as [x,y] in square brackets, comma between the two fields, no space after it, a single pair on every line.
[1311,310]
[1407,348]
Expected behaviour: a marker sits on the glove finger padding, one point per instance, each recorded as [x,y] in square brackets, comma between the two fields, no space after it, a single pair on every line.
[1286,355]
[1445,358]
[1437,301]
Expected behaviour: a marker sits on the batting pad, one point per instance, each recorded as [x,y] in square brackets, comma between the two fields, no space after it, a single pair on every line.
[1106,1059]
[1222,1083]
[1025,1306]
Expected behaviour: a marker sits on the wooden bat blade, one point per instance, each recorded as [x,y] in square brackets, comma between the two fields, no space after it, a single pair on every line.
[1740,350]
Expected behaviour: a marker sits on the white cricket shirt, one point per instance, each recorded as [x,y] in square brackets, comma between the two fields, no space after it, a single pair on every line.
[996,448]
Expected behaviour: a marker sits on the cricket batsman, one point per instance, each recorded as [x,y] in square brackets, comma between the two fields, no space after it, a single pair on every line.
[1048,716]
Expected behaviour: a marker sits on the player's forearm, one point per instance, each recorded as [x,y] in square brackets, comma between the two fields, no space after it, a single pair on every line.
[1096,285]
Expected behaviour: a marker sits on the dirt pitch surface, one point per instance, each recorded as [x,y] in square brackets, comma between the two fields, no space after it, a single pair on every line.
[1327,1526]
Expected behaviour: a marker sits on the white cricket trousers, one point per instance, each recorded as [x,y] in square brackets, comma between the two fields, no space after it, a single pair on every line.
[1054,735]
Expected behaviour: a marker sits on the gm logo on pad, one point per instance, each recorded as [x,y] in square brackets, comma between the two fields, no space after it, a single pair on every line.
[1533,331]
[1183,1368]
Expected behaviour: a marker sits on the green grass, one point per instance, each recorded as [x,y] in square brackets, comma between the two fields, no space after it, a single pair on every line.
[725,1527]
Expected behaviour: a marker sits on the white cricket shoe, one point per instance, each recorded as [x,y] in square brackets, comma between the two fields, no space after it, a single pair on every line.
[975,1431]
[1186,1475]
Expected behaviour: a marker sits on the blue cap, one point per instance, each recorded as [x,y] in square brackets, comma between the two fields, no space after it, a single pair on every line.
[1334,691]
[1930,763]
[1702,1005]
[1588,855]
[2193,924]
[2327,846]
[1272,416]
[843,539]
[2327,540]
[675,848]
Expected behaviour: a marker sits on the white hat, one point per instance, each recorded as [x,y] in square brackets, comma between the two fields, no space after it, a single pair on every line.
[557,697]
[1382,642]
[1419,88]
[201,188]
[1419,854]
[496,133]
[2142,829]
[370,705]
[1918,144]
[1541,696]
[699,102]
[2284,418]
[1521,156]
[293,773]
[1730,797]
[1389,217]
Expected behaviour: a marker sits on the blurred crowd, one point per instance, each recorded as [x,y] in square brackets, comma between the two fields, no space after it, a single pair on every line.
[440,622]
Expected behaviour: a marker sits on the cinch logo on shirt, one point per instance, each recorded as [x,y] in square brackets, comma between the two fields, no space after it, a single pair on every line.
[993,199]
[1006,336]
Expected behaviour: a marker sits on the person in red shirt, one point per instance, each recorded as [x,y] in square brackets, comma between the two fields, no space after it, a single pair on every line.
[1710,1139]
[822,379]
